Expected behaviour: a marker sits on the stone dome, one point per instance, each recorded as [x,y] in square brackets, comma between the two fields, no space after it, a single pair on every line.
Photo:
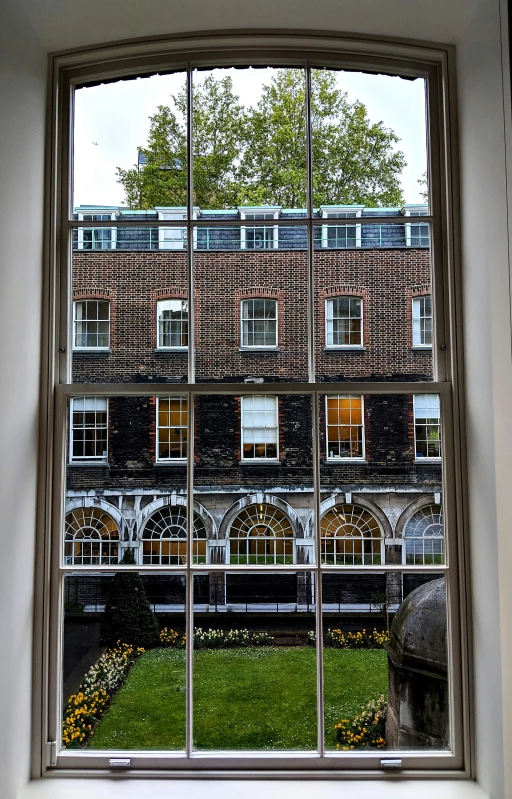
[418,631]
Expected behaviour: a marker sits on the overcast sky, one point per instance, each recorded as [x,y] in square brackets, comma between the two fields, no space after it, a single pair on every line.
[112,120]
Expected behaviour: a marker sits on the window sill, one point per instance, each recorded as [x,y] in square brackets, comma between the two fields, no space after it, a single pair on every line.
[428,460]
[421,348]
[259,350]
[99,350]
[171,462]
[54,786]
[180,350]
[103,464]
[259,462]
[358,461]
[346,348]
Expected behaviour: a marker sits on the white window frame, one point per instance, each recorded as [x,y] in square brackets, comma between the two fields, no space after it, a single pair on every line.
[340,212]
[438,425]
[179,234]
[416,211]
[159,308]
[419,345]
[183,400]
[243,401]
[268,212]
[244,345]
[83,215]
[90,459]
[345,458]
[329,303]
[78,348]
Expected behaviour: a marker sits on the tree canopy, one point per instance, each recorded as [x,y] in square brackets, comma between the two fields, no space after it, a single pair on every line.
[257,155]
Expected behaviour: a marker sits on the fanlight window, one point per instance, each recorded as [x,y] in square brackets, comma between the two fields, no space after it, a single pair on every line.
[261,534]
[91,539]
[164,538]
[351,536]
[424,541]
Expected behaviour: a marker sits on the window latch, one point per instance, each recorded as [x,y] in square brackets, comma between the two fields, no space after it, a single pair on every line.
[51,753]
[395,762]
[119,762]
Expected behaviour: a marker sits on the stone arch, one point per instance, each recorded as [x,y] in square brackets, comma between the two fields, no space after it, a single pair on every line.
[91,536]
[99,504]
[179,501]
[410,510]
[363,502]
[263,499]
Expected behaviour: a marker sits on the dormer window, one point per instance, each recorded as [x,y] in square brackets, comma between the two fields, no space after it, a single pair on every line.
[341,236]
[258,236]
[417,234]
[101,238]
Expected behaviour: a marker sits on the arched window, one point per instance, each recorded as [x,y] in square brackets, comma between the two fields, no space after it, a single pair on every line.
[261,534]
[424,543]
[164,537]
[91,539]
[351,536]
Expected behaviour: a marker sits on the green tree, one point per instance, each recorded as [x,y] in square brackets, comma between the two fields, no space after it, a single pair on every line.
[128,616]
[257,156]
[218,126]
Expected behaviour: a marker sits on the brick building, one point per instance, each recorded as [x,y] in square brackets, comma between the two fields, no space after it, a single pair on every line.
[380,464]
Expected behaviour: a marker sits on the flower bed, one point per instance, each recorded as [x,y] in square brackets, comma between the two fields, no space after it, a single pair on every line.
[336,639]
[366,730]
[85,708]
[216,639]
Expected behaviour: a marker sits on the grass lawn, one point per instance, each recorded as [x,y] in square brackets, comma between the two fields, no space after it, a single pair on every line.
[261,698]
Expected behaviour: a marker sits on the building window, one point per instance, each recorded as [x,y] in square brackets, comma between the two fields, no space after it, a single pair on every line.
[344,322]
[427,426]
[171,430]
[261,534]
[172,324]
[91,324]
[102,238]
[164,537]
[345,427]
[91,538]
[260,428]
[423,534]
[422,321]
[88,429]
[351,536]
[259,323]
[341,236]
[259,237]
[417,234]
[172,238]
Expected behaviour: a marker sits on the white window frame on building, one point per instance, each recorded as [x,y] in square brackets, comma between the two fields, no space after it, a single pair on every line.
[422,322]
[264,429]
[92,406]
[330,319]
[268,234]
[357,426]
[417,234]
[101,238]
[342,238]
[182,411]
[173,238]
[431,423]
[91,321]
[248,324]
[182,321]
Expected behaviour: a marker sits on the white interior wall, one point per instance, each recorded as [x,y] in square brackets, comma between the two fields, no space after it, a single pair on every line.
[31,27]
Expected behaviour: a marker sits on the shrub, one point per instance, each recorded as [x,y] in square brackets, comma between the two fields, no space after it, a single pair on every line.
[366,730]
[85,708]
[128,616]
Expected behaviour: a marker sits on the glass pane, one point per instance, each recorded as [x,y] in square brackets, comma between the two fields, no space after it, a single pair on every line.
[251,301]
[249,139]
[385,661]
[123,661]
[255,666]
[373,301]
[126,482]
[368,143]
[254,484]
